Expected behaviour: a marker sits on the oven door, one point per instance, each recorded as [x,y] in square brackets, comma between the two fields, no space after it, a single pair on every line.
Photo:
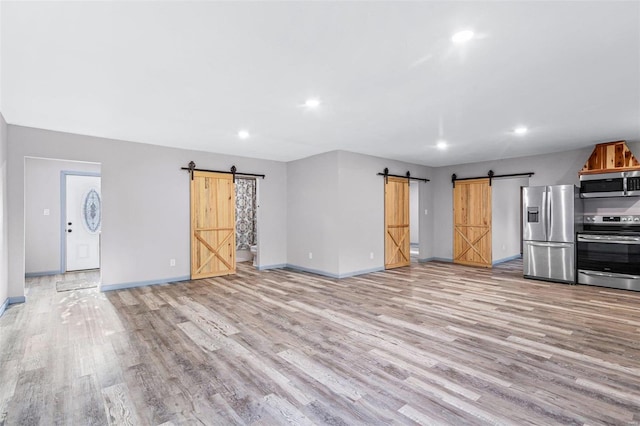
[602,185]
[609,260]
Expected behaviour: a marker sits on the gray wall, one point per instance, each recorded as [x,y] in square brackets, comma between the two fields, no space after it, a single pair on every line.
[42,191]
[336,211]
[146,203]
[4,252]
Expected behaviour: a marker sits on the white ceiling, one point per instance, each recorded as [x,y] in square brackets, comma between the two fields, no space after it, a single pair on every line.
[192,74]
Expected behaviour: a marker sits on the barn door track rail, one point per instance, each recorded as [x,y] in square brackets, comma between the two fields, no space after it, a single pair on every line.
[386,174]
[233,171]
[491,176]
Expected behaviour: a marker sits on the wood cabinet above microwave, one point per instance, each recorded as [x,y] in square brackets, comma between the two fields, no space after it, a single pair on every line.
[610,157]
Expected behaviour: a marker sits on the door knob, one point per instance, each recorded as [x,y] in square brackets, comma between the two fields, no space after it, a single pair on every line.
[69,223]
[69,230]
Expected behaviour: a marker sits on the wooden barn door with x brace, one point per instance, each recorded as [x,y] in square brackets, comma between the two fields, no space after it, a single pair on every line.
[213,224]
[396,223]
[472,222]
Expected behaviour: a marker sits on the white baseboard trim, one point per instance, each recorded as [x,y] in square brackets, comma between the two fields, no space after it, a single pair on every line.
[332,275]
[10,301]
[362,272]
[506,259]
[267,267]
[42,274]
[4,306]
[122,286]
[435,259]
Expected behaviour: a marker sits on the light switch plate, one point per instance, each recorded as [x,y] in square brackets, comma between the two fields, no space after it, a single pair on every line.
[46,212]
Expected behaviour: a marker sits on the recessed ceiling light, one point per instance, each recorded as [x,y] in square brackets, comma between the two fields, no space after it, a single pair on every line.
[441,145]
[462,36]
[312,103]
[243,134]
[520,130]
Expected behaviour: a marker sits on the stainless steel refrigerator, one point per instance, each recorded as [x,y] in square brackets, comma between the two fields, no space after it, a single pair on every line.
[551,217]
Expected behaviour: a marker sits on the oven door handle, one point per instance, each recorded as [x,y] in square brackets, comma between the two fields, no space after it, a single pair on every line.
[609,275]
[619,239]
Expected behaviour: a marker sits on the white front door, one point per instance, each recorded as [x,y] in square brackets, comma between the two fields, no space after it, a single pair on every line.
[83,222]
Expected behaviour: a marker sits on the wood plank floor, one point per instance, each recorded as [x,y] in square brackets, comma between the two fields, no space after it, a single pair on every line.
[429,344]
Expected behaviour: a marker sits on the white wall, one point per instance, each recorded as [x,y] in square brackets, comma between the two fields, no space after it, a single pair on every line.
[505,218]
[1,50]
[146,203]
[4,252]
[549,169]
[313,213]
[42,191]
[331,205]
[361,201]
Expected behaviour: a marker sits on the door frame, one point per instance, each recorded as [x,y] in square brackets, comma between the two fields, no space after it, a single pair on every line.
[63,214]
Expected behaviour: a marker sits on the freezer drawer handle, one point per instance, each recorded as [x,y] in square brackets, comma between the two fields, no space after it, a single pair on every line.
[554,245]
[604,274]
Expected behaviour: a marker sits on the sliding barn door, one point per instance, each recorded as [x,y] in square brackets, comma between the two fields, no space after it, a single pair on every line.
[396,223]
[213,223]
[472,222]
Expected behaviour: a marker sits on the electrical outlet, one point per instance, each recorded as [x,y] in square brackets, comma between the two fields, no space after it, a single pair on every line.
[310,255]
[172,262]
[371,255]
[426,212]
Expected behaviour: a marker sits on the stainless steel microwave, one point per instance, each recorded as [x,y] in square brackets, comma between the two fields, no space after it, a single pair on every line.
[620,184]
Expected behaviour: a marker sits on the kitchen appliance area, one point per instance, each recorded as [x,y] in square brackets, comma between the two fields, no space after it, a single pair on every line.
[588,234]
[571,236]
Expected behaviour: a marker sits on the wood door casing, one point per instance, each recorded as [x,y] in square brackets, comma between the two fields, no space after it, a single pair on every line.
[213,223]
[396,223]
[472,222]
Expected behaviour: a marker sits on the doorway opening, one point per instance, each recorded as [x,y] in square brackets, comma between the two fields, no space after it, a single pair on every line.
[246,191]
[63,220]
[414,220]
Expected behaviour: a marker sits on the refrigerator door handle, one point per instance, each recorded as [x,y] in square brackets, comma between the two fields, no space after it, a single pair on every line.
[547,213]
[554,245]
[550,206]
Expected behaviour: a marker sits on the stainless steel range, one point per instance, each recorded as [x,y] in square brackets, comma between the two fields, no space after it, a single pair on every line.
[609,252]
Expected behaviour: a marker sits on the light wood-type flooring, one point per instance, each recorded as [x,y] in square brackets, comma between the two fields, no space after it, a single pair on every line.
[431,343]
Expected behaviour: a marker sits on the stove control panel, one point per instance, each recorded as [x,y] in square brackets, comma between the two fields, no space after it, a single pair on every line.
[613,220]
